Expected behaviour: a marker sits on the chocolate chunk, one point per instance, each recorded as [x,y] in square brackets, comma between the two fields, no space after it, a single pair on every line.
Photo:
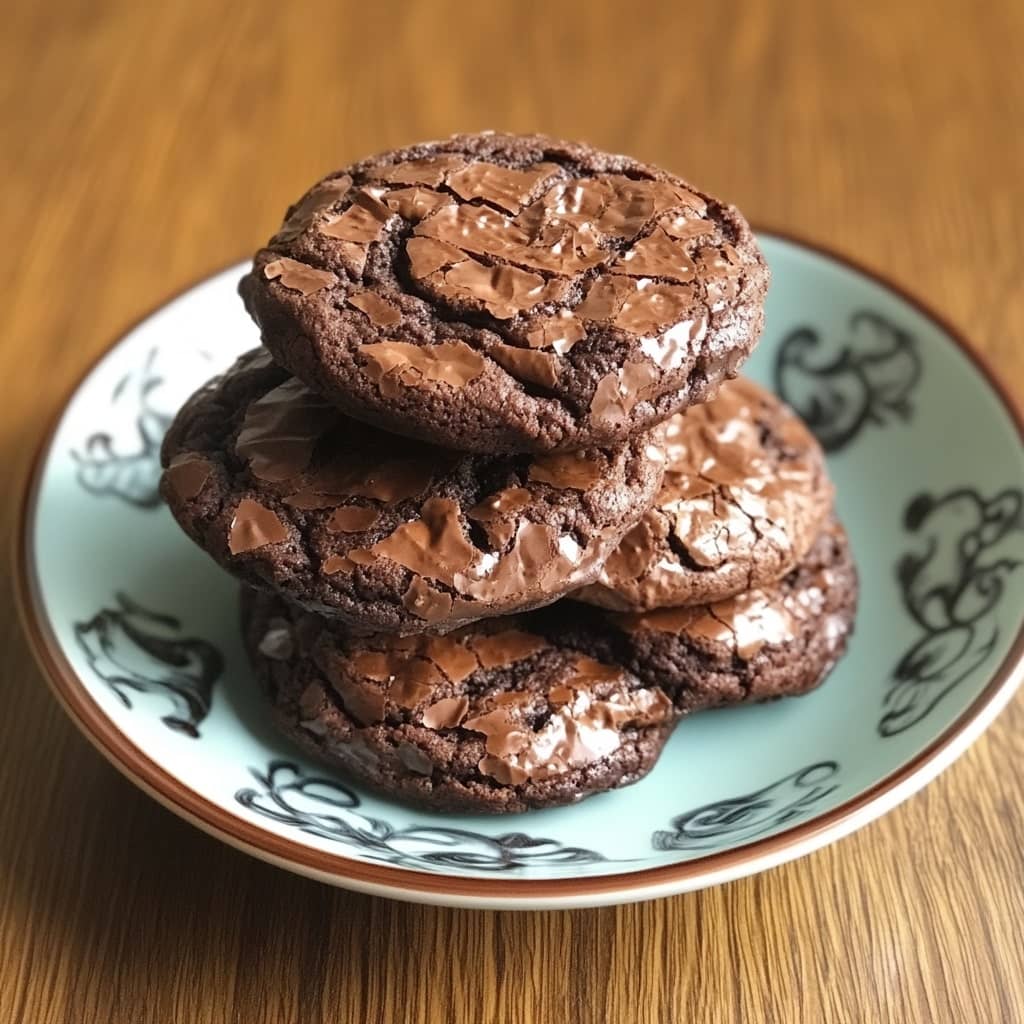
[579,470]
[187,474]
[319,198]
[361,223]
[415,203]
[281,429]
[392,363]
[380,312]
[352,519]
[501,186]
[254,526]
[525,364]
[298,277]
[427,602]
[446,713]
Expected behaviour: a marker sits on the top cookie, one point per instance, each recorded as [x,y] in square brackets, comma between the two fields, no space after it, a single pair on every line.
[502,293]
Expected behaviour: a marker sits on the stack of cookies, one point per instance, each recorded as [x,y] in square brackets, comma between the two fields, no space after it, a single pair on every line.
[502,512]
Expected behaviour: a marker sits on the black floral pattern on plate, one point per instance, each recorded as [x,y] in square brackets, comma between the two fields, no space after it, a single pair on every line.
[326,808]
[136,650]
[868,379]
[951,588]
[131,476]
[732,822]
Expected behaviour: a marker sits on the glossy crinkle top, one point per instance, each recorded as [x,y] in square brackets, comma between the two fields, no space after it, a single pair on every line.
[509,293]
[777,640]
[566,710]
[497,716]
[744,496]
[289,494]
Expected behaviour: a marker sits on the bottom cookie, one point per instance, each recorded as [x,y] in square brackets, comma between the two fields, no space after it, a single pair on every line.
[492,718]
[548,707]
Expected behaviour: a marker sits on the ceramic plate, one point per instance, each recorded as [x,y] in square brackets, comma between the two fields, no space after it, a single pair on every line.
[137,629]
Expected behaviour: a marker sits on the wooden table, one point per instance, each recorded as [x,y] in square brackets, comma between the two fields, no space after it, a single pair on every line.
[144,145]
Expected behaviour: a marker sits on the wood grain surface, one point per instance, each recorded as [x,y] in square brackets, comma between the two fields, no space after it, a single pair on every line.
[145,145]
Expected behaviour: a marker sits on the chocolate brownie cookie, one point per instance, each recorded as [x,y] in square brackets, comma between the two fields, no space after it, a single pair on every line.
[492,718]
[776,641]
[287,493]
[745,495]
[502,293]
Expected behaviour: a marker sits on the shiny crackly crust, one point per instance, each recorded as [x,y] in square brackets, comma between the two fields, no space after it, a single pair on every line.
[552,535]
[321,336]
[745,495]
[442,765]
[778,641]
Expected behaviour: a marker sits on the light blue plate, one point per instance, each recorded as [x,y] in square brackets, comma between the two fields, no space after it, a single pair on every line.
[137,629]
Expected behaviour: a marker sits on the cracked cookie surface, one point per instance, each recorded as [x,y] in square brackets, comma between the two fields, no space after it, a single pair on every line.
[546,707]
[744,496]
[492,718]
[287,493]
[501,293]
[779,640]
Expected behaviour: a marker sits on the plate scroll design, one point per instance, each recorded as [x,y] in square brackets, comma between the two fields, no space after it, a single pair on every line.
[134,649]
[736,820]
[329,809]
[951,588]
[840,390]
[106,466]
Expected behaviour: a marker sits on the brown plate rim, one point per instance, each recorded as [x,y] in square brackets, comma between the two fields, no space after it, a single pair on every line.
[412,884]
